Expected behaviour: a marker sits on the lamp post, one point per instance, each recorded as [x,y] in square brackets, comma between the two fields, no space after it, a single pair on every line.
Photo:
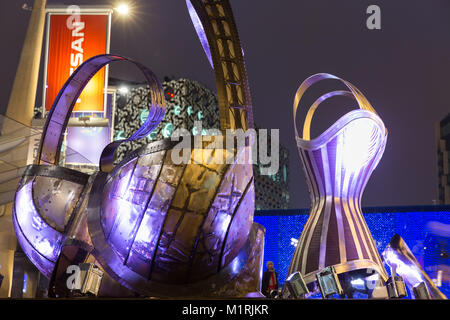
[23,94]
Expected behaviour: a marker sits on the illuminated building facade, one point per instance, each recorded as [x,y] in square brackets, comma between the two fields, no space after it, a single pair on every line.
[284,226]
[443,135]
[186,101]
[272,191]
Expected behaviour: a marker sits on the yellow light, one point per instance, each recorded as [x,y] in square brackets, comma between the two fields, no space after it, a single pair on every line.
[123,9]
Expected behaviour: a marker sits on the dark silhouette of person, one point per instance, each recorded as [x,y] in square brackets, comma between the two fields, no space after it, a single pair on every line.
[269,280]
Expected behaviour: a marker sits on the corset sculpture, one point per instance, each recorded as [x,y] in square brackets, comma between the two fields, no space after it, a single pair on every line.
[337,166]
[155,226]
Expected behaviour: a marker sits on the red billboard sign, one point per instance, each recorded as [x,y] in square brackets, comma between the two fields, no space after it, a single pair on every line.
[70,43]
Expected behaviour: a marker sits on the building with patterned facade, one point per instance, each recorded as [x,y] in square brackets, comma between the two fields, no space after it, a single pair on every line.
[443,136]
[272,191]
[189,101]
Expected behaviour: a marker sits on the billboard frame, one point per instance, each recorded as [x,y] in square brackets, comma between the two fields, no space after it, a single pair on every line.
[84,10]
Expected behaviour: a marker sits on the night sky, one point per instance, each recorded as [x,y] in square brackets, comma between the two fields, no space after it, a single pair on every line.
[402,69]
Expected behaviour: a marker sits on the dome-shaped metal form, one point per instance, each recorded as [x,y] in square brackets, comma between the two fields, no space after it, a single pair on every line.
[337,166]
[155,223]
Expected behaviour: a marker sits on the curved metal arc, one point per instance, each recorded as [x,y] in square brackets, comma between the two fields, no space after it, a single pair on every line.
[215,26]
[315,105]
[28,246]
[354,92]
[200,31]
[59,114]
[336,128]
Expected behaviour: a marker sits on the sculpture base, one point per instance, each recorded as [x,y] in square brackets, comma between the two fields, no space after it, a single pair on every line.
[229,282]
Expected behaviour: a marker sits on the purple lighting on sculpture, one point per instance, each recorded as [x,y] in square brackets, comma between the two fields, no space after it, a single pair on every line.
[337,166]
[200,31]
[410,272]
[403,262]
[86,152]
[39,234]
[361,141]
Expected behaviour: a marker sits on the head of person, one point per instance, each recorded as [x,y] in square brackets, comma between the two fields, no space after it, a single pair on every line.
[270,265]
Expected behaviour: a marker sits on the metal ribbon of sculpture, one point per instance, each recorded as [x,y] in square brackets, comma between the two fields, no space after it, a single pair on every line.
[49,196]
[157,227]
[216,29]
[337,166]
[397,254]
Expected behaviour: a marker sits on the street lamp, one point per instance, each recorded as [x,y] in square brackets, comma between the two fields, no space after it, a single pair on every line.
[123,90]
[123,9]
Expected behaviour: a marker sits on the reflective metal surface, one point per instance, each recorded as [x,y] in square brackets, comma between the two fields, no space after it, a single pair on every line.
[152,221]
[43,205]
[48,197]
[155,226]
[337,165]
[398,255]
[217,31]
[59,114]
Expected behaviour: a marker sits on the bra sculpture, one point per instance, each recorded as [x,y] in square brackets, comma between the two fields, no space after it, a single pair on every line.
[155,226]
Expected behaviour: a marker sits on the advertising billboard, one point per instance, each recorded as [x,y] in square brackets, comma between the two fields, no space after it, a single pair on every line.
[71,40]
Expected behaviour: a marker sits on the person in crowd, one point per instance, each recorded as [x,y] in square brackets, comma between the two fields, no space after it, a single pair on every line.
[269,280]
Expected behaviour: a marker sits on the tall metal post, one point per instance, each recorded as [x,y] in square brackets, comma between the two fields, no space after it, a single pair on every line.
[23,94]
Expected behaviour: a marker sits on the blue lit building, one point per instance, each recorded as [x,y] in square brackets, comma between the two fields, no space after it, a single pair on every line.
[283,228]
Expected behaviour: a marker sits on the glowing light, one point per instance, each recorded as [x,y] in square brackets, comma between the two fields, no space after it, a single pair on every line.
[357,282]
[235,265]
[360,143]
[40,235]
[167,130]
[224,224]
[44,247]
[294,242]
[123,9]
[120,135]
[410,273]
[144,115]
[145,231]
[373,277]
[24,287]
[123,90]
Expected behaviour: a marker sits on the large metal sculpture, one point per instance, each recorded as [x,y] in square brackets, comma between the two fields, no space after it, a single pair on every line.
[48,195]
[157,227]
[337,166]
